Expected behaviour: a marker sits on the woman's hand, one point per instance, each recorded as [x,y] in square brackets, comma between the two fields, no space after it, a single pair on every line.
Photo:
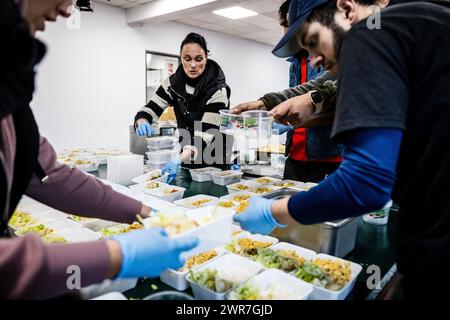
[172,169]
[146,253]
[143,128]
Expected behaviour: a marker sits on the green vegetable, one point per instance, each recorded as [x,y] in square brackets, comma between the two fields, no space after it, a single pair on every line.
[247,292]
[21,219]
[205,278]
[210,279]
[230,246]
[309,272]
[378,214]
[53,238]
[39,229]
[270,258]
[154,287]
[251,122]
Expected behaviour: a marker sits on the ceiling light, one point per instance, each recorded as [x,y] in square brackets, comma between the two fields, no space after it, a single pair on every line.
[235,13]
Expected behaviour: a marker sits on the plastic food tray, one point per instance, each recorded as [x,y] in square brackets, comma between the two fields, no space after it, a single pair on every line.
[231,196]
[187,202]
[320,293]
[226,261]
[261,180]
[177,279]
[291,184]
[161,194]
[225,178]
[153,175]
[203,174]
[300,290]
[302,252]
[257,237]
[235,187]
[161,156]
[143,187]
[162,142]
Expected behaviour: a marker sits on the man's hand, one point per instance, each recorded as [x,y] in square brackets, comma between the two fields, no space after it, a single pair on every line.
[247,106]
[258,218]
[295,111]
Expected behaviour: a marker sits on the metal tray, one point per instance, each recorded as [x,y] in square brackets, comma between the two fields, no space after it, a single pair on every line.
[335,238]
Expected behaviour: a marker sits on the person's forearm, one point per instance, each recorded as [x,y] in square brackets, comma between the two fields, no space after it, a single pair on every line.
[115,258]
[72,191]
[271,100]
[281,213]
[318,120]
[32,270]
[328,92]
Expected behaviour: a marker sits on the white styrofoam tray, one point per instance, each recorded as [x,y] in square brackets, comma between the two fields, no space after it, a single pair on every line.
[153,175]
[224,178]
[160,193]
[225,262]
[188,202]
[221,203]
[307,254]
[177,279]
[294,289]
[247,184]
[231,196]
[256,237]
[213,230]
[144,186]
[260,180]
[320,293]
[203,174]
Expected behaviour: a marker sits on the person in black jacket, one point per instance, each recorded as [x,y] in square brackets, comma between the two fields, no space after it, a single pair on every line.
[197,91]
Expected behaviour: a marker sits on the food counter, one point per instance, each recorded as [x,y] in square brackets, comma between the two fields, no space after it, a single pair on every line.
[374,245]
[369,245]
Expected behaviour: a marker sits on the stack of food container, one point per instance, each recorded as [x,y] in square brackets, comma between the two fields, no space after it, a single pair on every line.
[162,149]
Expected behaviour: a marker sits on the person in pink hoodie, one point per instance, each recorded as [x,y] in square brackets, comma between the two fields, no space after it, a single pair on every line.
[30,269]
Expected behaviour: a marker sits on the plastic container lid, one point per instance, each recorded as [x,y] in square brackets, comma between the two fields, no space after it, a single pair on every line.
[230,122]
[161,142]
[161,156]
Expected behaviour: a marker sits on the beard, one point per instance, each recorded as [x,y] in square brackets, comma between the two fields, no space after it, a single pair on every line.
[338,38]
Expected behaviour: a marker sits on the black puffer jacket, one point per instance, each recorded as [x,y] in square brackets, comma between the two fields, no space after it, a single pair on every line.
[196,111]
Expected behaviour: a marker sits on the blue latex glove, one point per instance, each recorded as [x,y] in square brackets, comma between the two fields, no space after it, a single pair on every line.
[258,217]
[146,253]
[281,128]
[171,168]
[144,130]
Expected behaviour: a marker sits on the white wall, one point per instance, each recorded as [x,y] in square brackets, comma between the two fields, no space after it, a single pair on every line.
[92,81]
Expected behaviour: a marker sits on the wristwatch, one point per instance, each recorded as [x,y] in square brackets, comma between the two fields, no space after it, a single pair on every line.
[317,100]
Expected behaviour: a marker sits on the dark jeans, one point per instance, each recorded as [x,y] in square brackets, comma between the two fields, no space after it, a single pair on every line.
[308,171]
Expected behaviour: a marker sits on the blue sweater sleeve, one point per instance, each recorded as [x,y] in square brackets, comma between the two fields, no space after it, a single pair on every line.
[363,183]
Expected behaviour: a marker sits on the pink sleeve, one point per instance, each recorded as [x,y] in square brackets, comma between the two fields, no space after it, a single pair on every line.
[32,270]
[72,191]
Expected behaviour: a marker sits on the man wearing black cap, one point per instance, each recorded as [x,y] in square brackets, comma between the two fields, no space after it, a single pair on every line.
[392,115]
